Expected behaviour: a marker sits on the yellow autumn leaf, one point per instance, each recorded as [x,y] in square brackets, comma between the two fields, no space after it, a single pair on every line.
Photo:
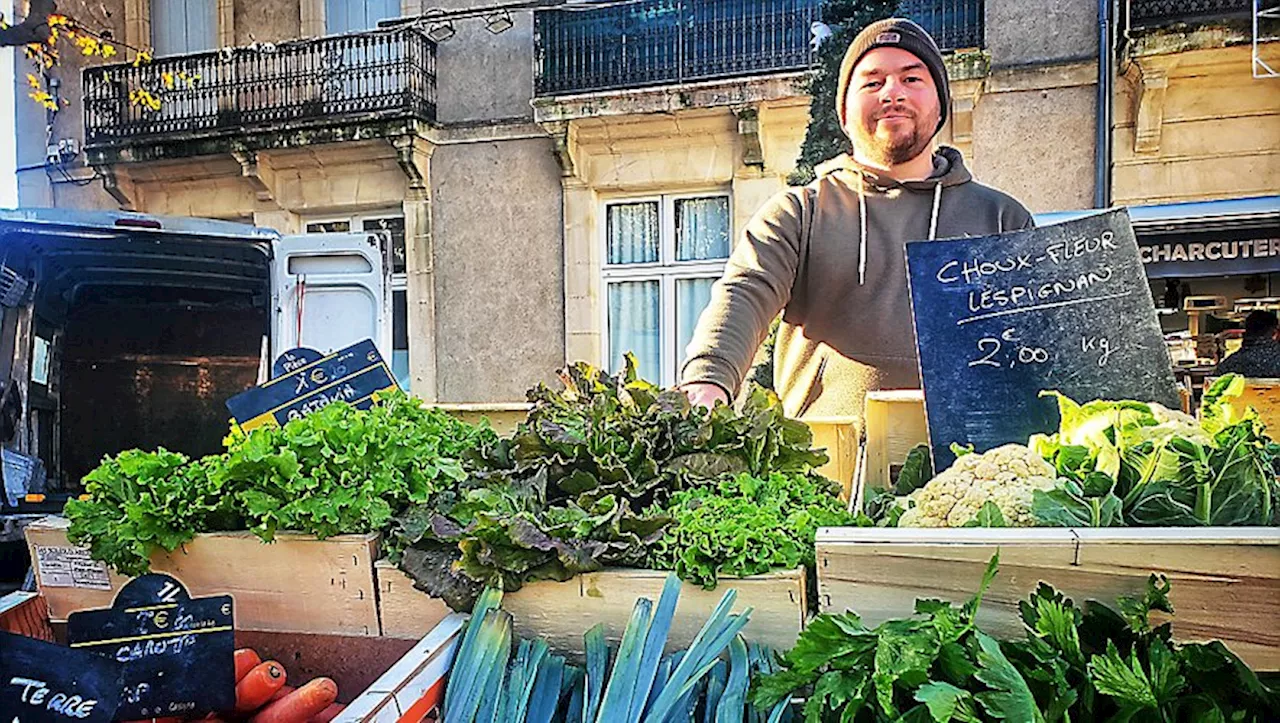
[108,51]
[33,81]
[167,77]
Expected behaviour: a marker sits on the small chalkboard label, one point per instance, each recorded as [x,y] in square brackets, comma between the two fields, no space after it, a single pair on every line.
[45,683]
[354,375]
[177,652]
[293,360]
[1000,318]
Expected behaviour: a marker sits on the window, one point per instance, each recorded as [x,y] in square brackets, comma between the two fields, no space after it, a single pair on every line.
[392,226]
[662,255]
[183,26]
[350,16]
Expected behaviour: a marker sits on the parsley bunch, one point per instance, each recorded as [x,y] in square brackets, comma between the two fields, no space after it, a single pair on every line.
[1087,663]
[746,525]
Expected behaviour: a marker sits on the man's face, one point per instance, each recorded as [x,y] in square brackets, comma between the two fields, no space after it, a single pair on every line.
[891,110]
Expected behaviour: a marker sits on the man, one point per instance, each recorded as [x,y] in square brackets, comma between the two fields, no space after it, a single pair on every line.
[1259,353]
[831,255]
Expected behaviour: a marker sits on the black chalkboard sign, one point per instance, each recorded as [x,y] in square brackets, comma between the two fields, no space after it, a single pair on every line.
[293,360]
[45,683]
[178,653]
[354,375]
[1000,318]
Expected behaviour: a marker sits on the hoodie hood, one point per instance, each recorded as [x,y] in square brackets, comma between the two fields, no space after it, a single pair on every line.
[948,169]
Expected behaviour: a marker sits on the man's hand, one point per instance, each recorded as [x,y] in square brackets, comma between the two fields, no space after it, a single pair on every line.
[704,394]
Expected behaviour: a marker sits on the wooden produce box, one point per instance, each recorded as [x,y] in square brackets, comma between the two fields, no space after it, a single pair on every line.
[414,685]
[895,424]
[297,584]
[24,613]
[561,612]
[839,436]
[1226,580]
[503,417]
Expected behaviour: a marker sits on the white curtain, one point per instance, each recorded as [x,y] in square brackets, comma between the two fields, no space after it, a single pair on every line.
[635,326]
[349,16]
[183,26]
[692,296]
[633,233]
[702,228]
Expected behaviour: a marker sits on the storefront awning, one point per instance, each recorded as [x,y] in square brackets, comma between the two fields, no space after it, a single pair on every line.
[1230,237]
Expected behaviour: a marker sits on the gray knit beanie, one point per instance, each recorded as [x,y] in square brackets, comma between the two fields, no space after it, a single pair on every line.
[895,33]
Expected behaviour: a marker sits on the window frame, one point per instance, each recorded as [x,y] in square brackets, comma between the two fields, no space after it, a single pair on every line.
[667,271]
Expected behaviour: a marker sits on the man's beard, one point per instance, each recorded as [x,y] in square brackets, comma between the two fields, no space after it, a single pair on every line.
[897,148]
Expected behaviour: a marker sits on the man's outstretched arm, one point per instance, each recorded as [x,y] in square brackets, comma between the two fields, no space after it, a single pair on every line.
[756,285]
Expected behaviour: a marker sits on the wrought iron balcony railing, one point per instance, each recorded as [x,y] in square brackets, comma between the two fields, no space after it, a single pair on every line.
[1152,13]
[331,81]
[954,24]
[663,42]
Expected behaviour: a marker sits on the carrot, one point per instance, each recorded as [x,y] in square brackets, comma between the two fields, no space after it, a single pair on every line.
[246,659]
[300,705]
[284,690]
[259,685]
[327,714]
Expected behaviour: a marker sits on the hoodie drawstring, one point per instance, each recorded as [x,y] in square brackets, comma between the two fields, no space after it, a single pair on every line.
[862,231]
[933,218]
[862,224]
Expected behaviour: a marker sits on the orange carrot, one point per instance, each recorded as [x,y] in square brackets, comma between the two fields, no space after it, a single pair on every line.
[284,690]
[259,685]
[300,705]
[327,714]
[246,659]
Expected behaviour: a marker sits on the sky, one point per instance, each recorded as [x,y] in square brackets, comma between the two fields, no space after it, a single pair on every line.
[8,138]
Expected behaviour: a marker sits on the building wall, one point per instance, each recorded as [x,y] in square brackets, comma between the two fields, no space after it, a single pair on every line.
[1033,121]
[505,263]
[1195,125]
[500,269]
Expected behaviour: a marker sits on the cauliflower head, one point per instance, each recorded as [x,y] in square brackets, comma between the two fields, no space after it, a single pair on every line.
[1007,476]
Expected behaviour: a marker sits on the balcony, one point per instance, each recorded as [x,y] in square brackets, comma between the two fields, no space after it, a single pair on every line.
[954,24]
[668,42]
[328,89]
[1154,13]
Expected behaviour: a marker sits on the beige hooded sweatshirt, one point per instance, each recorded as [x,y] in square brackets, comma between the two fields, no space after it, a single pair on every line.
[831,257]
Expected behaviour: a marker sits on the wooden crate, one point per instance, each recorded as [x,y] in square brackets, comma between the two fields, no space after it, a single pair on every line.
[839,436]
[560,612]
[414,685]
[503,416]
[24,613]
[895,424]
[1226,581]
[296,584]
[403,610]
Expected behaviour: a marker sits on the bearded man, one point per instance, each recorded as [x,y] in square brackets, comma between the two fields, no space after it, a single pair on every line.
[830,256]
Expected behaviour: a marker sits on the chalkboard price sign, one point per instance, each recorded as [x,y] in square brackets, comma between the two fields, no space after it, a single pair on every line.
[1000,318]
[45,683]
[354,375]
[177,652]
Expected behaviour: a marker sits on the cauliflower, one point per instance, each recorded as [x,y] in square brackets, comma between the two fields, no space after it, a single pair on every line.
[1006,475]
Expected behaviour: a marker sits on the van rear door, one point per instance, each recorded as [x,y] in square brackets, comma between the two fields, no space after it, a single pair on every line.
[329,291]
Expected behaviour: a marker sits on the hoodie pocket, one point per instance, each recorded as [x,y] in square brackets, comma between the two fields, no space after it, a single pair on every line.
[815,388]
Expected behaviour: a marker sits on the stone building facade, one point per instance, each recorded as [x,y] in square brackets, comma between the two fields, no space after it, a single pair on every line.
[543,202]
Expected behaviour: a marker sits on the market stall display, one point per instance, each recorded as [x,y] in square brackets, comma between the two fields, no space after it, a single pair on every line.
[613,493]
[1081,661]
